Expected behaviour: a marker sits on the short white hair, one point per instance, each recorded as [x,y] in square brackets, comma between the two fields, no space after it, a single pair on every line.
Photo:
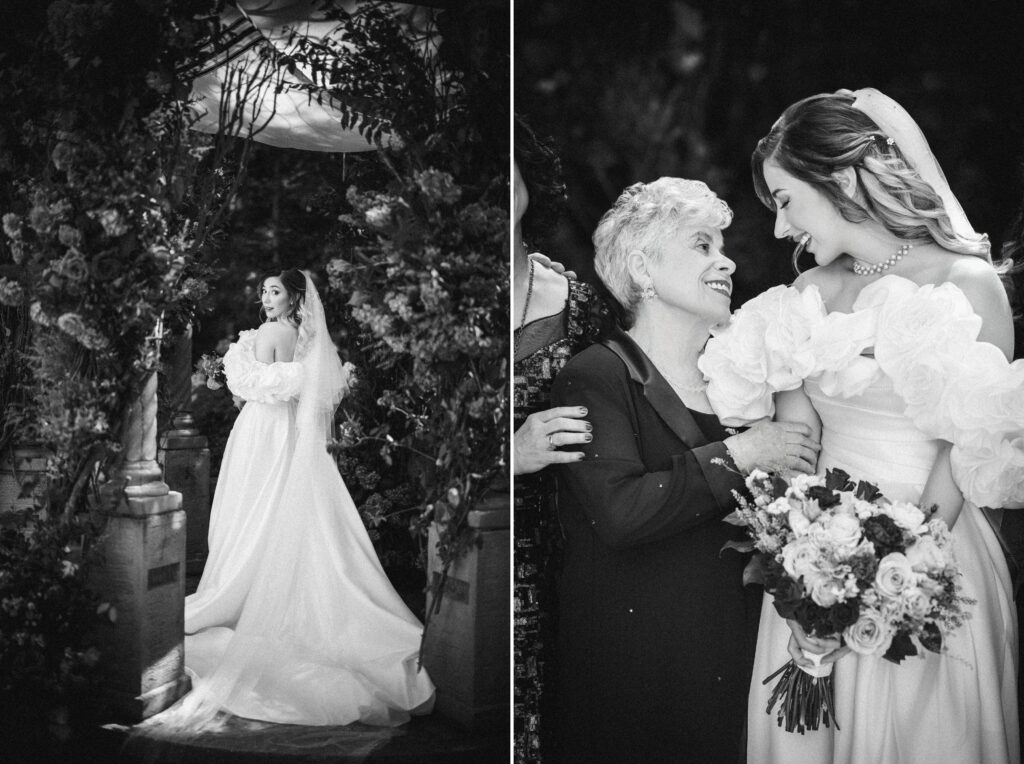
[645,217]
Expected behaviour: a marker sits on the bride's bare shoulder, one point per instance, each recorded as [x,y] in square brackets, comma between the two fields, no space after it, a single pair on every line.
[827,279]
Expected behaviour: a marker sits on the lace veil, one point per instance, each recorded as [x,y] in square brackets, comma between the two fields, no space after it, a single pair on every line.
[325,379]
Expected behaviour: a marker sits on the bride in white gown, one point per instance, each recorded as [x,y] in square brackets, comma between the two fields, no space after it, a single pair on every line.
[896,347]
[294,620]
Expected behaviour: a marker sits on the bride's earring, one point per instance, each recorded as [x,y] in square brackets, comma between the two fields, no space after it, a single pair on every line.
[648,293]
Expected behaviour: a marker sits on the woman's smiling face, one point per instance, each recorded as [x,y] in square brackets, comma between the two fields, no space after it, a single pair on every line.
[693,273]
[801,209]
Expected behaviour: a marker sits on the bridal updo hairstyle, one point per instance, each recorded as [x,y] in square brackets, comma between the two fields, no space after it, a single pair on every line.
[645,217]
[294,282]
[823,134]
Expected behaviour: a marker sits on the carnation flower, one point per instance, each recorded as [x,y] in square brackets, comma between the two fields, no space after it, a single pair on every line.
[869,635]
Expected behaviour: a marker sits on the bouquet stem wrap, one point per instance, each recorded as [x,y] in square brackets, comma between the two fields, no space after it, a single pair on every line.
[805,694]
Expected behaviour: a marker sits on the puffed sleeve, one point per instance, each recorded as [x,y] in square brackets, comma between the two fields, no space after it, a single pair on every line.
[626,504]
[769,346]
[255,381]
[958,389]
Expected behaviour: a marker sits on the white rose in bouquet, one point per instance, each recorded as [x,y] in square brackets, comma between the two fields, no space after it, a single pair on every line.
[870,635]
[894,575]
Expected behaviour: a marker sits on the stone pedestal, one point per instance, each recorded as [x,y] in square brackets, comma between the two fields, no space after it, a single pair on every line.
[468,647]
[140,571]
[185,457]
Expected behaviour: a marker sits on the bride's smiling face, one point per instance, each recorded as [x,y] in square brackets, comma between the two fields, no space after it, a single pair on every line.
[801,209]
[694,274]
[274,297]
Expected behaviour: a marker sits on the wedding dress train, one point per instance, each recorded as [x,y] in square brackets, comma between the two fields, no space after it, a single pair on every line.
[294,620]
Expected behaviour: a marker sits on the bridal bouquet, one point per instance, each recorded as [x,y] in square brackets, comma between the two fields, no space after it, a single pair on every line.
[210,369]
[843,561]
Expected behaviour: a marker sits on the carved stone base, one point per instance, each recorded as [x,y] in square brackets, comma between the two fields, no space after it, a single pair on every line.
[467,649]
[141,572]
[186,463]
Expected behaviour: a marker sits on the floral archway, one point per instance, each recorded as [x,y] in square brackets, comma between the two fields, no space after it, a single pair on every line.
[114,217]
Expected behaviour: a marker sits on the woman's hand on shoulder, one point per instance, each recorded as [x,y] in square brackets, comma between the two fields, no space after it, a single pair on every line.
[554,265]
[538,439]
[985,291]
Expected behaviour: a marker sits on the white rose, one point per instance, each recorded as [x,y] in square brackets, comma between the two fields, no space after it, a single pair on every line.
[870,635]
[825,591]
[799,558]
[907,516]
[844,531]
[780,506]
[894,575]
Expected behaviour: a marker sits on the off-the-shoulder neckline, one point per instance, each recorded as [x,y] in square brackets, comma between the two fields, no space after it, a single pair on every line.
[858,303]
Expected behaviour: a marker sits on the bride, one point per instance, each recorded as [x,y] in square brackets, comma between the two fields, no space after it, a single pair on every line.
[896,347]
[294,620]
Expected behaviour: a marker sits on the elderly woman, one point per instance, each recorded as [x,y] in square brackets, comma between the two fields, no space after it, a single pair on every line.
[656,631]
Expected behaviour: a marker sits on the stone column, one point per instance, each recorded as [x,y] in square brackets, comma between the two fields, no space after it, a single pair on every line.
[140,571]
[468,647]
[184,454]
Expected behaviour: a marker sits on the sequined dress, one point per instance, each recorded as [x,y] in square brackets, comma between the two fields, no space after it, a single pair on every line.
[544,347]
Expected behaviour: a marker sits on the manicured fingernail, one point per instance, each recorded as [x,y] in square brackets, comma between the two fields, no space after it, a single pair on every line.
[579,456]
[583,411]
[589,426]
[588,437]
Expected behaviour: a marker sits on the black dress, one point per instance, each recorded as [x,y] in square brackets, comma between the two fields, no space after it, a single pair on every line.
[656,630]
[544,347]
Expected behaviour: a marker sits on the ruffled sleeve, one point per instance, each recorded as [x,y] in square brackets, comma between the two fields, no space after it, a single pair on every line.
[256,381]
[769,346]
[958,389]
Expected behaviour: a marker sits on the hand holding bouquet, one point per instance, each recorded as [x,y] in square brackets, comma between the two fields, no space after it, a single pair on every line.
[843,561]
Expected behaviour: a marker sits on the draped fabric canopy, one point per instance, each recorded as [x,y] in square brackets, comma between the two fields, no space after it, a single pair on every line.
[239,87]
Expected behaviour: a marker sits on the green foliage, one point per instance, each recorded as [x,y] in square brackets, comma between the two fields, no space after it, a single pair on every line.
[46,609]
[427,276]
[99,255]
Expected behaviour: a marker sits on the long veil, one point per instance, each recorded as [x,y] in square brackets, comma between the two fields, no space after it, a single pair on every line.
[325,379]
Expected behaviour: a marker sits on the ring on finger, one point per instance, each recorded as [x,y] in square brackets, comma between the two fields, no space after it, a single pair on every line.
[551,442]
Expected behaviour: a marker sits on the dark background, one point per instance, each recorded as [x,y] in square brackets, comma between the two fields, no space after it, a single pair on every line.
[632,91]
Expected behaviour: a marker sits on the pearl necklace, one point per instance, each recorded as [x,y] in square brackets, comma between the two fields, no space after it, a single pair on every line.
[862,269]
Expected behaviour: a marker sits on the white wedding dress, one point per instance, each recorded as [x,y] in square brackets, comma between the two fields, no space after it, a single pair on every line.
[294,620]
[955,707]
